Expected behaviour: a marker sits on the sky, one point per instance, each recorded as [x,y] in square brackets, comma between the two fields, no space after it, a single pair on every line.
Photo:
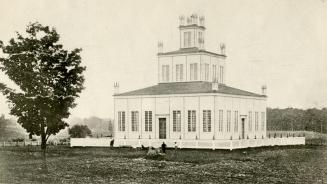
[280,44]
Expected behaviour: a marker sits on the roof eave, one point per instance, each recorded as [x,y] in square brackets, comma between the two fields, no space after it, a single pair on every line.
[213,92]
[192,52]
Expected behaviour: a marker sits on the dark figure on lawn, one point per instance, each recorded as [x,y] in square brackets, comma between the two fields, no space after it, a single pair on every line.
[112,142]
[163,147]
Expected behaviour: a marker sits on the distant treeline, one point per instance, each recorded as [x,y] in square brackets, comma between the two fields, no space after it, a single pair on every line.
[9,129]
[292,119]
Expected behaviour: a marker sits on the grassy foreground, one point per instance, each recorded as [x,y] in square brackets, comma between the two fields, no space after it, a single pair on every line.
[299,164]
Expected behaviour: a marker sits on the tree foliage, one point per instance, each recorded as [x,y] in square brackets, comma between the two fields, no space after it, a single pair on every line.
[79,131]
[49,78]
[297,119]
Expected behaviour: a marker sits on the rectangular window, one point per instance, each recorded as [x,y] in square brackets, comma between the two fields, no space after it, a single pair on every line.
[135,120]
[121,121]
[191,120]
[221,119]
[179,72]
[165,73]
[176,121]
[194,71]
[228,120]
[235,121]
[250,121]
[214,73]
[263,121]
[148,121]
[206,120]
[187,39]
[206,72]
[201,40]
[191,71]
[256,116]
[221,74]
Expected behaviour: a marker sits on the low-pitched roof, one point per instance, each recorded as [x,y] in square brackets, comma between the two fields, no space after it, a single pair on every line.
[187,88]
[190,50]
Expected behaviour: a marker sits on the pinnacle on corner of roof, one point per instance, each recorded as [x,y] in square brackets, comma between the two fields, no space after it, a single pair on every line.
[160,46]
[264,89]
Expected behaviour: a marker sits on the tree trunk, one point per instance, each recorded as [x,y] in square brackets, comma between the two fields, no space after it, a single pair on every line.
[43,139]
[43,142]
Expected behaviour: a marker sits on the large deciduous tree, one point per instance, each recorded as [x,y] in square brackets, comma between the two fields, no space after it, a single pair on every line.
[79,131]
[49,79]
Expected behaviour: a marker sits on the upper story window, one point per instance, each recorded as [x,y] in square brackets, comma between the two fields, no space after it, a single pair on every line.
[221,74]
[165,73]
[179,72]
[187,39]
[214,73]
[206,72]
[194,71]
[201,40]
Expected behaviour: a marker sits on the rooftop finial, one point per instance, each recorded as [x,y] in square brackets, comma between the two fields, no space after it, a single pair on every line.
[194,18]
[160,47]
[181,20]
[116,88]
[222,48]
[263,89]
[201,19]
[189,20]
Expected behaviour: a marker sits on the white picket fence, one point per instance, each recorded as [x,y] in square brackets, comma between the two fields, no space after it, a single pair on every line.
[195,144]
[90,142]
[29,143]
[22,143]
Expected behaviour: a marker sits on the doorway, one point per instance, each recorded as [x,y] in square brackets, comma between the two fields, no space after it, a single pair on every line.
[243,131]
[162,128]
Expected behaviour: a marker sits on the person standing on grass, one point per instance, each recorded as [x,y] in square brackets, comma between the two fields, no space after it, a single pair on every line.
[176,146]
[163,147]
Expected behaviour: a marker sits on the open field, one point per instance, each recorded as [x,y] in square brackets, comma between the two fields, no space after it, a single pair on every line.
[297,164]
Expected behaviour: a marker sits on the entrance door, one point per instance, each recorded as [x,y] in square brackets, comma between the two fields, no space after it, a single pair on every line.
[162,128]
[243,121]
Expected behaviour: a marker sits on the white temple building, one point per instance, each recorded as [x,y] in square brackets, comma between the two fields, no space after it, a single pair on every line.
[191,106]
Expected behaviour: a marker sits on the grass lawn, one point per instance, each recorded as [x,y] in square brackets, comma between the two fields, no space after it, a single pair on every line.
[298,164]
